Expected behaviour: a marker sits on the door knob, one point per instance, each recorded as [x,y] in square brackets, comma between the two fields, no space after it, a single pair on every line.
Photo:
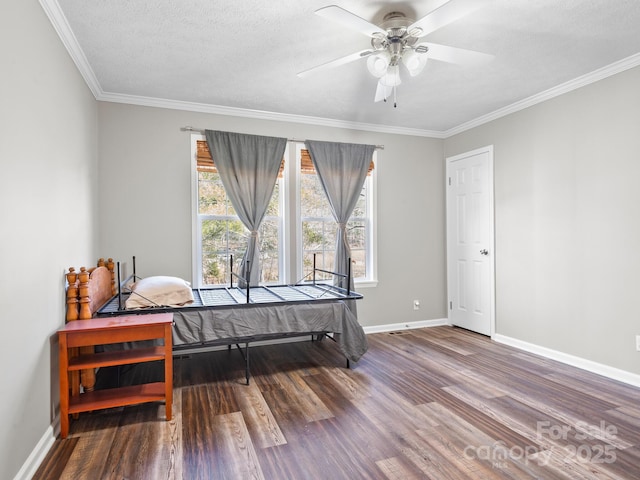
[484,251]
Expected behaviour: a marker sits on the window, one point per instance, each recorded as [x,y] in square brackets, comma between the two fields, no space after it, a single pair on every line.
[318,226]
[223,237]
[298,224]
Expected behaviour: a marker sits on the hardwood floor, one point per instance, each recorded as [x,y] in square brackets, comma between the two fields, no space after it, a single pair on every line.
[436,403]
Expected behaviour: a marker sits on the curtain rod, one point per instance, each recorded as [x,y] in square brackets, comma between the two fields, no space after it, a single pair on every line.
[200,131]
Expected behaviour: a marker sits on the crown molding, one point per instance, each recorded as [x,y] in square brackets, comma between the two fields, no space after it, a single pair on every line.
[261,114]
[62,28]
[579,82]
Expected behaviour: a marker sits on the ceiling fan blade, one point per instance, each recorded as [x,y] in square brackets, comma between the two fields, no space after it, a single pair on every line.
[445,14]
[349,20]
[459,56]
[337,62]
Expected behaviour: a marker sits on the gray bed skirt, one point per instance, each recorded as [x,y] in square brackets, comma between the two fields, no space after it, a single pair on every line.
[231,325]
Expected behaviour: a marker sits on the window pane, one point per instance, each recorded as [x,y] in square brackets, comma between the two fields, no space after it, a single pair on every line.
[212,199]
[313,201]
[221,238]
[356,235]
[358,263]
[324,261]
[269,253]
[318,237]
[273,209]
[360,210]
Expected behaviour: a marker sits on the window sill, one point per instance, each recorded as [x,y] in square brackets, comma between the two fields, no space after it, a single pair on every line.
[366,284]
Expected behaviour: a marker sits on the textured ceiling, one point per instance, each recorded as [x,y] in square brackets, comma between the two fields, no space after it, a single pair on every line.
[246,54]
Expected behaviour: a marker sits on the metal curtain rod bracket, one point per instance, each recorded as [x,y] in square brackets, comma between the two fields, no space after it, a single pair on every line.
[189,128]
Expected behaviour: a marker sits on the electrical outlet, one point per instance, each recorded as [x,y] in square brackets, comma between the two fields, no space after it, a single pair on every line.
[638,343]
[416,304]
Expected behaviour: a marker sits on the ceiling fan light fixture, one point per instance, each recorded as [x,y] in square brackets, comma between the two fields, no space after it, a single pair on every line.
[378,64]
[392,77]
[415,62]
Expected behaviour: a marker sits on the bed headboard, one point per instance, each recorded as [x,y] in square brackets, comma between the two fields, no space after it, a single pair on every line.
[89,289]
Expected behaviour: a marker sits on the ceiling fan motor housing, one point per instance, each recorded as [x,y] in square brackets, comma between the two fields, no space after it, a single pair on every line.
[397,39]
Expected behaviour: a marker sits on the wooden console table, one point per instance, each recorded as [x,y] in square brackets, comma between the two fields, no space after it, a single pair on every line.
[99,331]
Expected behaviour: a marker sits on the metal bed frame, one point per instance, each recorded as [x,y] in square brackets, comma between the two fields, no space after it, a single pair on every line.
[236,297]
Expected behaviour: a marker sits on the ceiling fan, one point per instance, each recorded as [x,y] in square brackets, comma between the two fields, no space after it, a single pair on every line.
[396,42]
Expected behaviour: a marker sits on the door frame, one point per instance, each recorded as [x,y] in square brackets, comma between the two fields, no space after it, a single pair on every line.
[492,245]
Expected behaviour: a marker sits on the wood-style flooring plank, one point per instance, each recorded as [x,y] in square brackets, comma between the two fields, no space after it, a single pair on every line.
[235,455]
[260,421]
[57,459]
[138,449]
[395,469]
[431,462]
[170,440]
[299,394]
[95,432]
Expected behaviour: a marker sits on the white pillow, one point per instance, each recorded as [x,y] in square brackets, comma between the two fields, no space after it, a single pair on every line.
[160,291]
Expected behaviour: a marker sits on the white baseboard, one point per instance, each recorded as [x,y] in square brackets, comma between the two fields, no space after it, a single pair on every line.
[31,465]
[392,327]
[584,364]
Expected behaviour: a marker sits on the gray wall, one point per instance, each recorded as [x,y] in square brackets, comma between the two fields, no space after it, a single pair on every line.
[567,220]
[48,211]
[145,203]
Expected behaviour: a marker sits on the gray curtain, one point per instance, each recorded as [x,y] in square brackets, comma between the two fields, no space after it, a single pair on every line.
[342,169]
[248,166]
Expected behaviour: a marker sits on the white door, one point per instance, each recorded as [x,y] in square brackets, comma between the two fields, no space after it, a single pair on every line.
[470,255]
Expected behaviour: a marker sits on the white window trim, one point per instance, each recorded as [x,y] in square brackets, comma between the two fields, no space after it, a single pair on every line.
[372,211]
[196,246]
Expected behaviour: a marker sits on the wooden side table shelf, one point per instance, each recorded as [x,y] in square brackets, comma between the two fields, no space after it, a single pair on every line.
[99,331]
